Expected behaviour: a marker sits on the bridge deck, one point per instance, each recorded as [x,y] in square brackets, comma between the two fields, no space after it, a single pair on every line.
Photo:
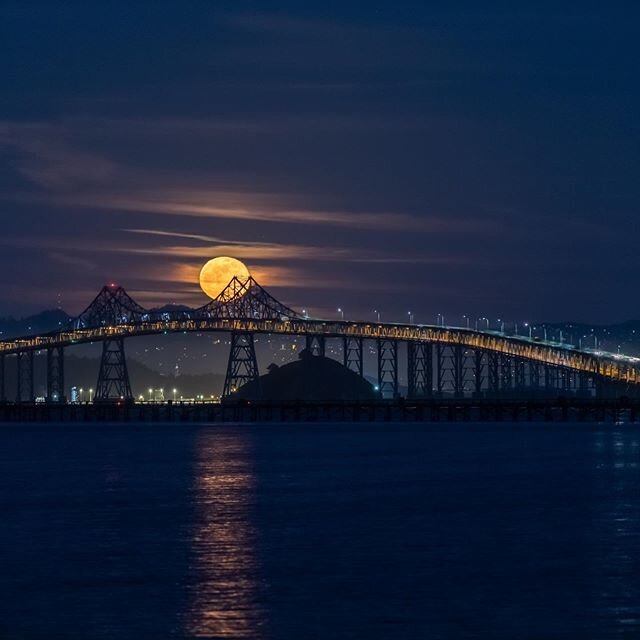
[611,366]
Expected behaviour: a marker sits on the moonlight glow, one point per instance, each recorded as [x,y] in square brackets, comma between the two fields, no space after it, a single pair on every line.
[217,273]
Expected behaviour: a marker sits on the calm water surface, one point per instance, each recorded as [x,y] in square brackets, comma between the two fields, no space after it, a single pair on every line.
[319,531]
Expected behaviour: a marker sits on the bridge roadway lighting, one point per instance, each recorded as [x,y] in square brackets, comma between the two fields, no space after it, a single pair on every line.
[150,395]
[341,312]
[90,395]
[377,314]
[466,319]
[410,317]
[174,394]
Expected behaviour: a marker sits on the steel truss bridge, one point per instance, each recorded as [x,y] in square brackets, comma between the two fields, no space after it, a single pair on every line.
[440,361]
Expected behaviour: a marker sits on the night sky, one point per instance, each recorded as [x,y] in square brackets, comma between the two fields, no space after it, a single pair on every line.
[457,157]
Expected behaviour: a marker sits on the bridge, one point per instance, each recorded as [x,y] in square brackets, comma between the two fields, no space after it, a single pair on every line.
[440,360]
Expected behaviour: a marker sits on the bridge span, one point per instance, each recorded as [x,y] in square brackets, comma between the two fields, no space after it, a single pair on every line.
[440,360]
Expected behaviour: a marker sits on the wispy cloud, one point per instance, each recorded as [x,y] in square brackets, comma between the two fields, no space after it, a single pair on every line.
[216,204]
[63,161]
[46,157]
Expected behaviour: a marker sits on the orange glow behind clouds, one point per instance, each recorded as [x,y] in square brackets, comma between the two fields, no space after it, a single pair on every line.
[217,273]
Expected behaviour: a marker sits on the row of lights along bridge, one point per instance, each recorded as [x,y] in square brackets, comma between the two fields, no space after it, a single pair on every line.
[479,324]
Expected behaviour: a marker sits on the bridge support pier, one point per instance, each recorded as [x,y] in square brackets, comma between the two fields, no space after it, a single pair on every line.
[420,369]
[316,345]
[24,389]
[55,374]
[113,377]
[441,367]
[534,376]
[493,377]
[388,368]
[352,350]
[550,379]
[505,375]
[243,364]
[3,389]
[518,374]
[583,384]
[478,372]
[458,370]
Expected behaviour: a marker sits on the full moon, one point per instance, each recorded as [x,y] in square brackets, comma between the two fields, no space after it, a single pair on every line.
[218,273]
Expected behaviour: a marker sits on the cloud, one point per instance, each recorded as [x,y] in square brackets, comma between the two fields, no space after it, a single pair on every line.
[74,261]
[47,159]
[218,204]
[121,165]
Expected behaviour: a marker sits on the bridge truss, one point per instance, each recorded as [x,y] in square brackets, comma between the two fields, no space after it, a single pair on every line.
[440,360]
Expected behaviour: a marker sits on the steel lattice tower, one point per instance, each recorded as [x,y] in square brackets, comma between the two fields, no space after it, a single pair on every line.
[352,352]
[55,375]
[243,364]
[24,390]
[315,345]
[113,378]
[420,369]
[3,391]
[388,368]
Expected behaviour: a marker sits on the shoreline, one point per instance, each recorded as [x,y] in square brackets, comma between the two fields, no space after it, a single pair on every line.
[433,410]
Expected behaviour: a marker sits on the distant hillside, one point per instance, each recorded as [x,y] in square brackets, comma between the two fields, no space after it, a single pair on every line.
[310,379]
[39,323]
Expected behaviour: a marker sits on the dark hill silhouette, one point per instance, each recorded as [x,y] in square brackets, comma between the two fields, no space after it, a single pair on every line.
[309,379]
[42,322]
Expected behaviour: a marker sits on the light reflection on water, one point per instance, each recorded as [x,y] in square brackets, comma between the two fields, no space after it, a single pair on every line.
[328,531]
[618,523]
[224,593]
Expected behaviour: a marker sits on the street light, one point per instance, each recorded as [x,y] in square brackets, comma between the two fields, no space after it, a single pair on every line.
[377,314]
[174,394]
[410,317]
[341,312]
[466,319]
[150,395]
[90,395]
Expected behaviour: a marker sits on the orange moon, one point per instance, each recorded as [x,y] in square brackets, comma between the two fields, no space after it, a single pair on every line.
[216,274]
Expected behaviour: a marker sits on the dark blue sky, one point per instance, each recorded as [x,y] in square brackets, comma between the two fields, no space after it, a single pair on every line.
[456,157]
